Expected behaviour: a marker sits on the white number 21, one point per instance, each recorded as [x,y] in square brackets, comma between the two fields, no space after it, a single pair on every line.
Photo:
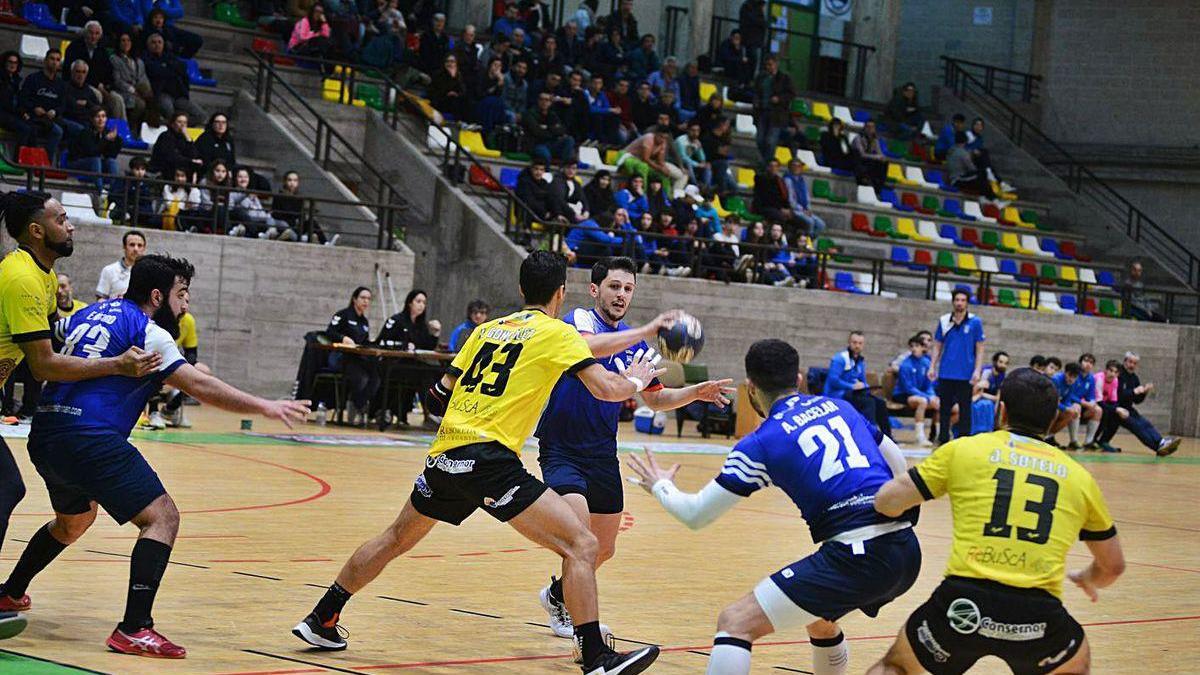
[821,438]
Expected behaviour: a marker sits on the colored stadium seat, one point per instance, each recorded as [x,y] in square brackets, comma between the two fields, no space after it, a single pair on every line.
[1024,299]
[707,89]
[745,125]
[970,235]
[942,292]
[936,176]
[1011,215]
[610,156]
[783,154]
[923,257]
[821,111]
[971,208]
[1110,307]
[859,223]
[508,177]
[908,228]
[1030,243]
[916,177]
[480,176]
[34,48]
[988,264]
[1008,266]
[1047,302]
[722,212]
[590,155]
[1053,246]
[1089,307]
[436,140]
[991,211]
[1069,248]
[966,261]
[1010,241]
[882,227]
[37,157]
[912,203]
[227,12]
[1007,297]
[1105,278]
[1068,303]
[889,196]
[1030,216]
[122,128]
[196,77]
[865,194]
[822,189]
[1049,272]
[78,206]
[1087,275]
[810,161]
[194,132]
[945,259]
[842,113]
[862,116]
[149,134]
[929,230]
[737,205]
[745,178]
[989,240]
[1028,270]
[953,208]
[894,173]
[900,255]
[930,204]
[472,142]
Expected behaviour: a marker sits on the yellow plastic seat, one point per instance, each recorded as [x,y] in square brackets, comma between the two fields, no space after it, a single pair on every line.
[783,154]
[194,132]
[1010,240]
[1012,215]
[894,172]
[1023,298]
[1067,273]
[707,89]
[721,211]
[610,157]
[1001,194]
[472,141]
[966,261]
[745,177]
[332,91]
[907,227]
[821,110]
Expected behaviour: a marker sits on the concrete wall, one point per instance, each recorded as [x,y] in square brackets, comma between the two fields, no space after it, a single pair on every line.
[253,300]
[1120,72]
[932,28]
[817,323]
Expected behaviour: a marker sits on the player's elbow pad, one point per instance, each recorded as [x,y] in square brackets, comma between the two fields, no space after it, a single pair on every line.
[439,398]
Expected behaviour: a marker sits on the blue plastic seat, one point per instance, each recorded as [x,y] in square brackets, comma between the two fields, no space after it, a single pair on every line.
[508,177]
[900,255]
[1067,302]
[1008,266]
[971,299]
[127,137]
[196,77]
[844,281]
[889,195]
[1106,278]
[936,176]
[38,14]
[883,147]
[861,116]
[948,231]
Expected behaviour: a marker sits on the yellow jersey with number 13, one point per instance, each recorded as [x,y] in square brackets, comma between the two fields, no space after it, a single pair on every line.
[1018,506]
[506,371]
[27,301]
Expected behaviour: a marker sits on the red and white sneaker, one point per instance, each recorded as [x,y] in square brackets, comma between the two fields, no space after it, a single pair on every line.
[8,604]
[145,642]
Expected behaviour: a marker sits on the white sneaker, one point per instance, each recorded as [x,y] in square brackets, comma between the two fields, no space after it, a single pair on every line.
[923,441]
[1005,186]
[179,420]
[157,422]
[560,619]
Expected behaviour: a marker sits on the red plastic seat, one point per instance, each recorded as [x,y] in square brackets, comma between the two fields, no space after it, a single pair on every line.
[1028,269]
[920,152]
[922,257]
[34,156]
[990,210]
[480,176]
[1089,307]
[991,297]
[859,223]
[265,46]
[971,235]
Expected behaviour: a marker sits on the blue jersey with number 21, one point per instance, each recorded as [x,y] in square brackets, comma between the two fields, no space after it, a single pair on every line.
[823,454]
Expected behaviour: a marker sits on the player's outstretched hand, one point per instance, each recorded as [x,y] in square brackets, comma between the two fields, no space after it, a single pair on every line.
[664,320]
[648,470]
[288,412]
[137,362]
[643,368]
[1083,580]
[714,391]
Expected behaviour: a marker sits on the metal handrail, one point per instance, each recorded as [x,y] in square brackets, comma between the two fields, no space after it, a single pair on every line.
[1027,82]
[323,140]
[1170,252]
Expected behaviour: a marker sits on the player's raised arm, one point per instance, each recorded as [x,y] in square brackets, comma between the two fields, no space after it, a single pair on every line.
[607,344]
[609,386]
[212,391]
[46,364]
[694,509]
[713,391]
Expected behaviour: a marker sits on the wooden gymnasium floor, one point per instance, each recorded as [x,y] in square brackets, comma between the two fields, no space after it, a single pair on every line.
[268,522]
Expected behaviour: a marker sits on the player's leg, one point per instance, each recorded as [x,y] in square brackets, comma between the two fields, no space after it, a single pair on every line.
[946,395]
[605,526]
[963,389]
[563,474]
[1079,664]
[918,404]
[1073,426]
[44,546]
[12,488]
[738,626]
[899,659]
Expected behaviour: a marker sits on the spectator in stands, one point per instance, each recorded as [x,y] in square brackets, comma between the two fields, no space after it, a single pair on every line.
[644,62]
[131,84]
[657,201]
[784,267]
[515,91]
[798,204]
[619,97]
[612,58]
[914,389]
[169,80]
[1090,406]
[945,139]
[114,277]
[987,394]
[388,53]
[601,201]
[1131,391]
[253,220]
[706,214]
[448,92]
[488,95]
[535,192]
[633,198]
[1133,294]
[312,35]
[519,47]
[735,59]
[604,117]
[686,249]
[771,197]
[435,46]
[499,48]
[981,155]
[1038,363]
[752,22]
[648,153]
[477,315]
[585,16]
[177,41]
[466,50]
[575,112]
[689,89]
[87,48]
[81,98]
[216,142]
[724,253]
[133,198]
[872,163]
[546,133]
[568,192]
[43,100]
[552,83]
[351,327]
[962,172]
[589,242]
[835,148]
[213,213]
[717,142]
[647,249]
[1053,366]
[1107,385]
[124,16]
[509,22]
[95,150]
[174,150]
[180,203]
[12,119]
[626,22]
[957,363]
[903,112]
[570,44]
[548,59]
[847,380]
[691,153]
[288,206]
[773,94]
[644,108]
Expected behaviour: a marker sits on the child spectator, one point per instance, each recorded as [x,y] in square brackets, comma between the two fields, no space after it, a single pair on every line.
[133,198]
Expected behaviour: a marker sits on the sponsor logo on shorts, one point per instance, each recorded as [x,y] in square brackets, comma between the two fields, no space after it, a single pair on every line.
[450,465]
[423,487]
[1051,660]
[62,409]
[925,637]
[964,616]
[503,501]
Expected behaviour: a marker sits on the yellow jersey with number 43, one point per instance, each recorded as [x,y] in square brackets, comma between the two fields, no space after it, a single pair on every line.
[1018,506]
[27,301]
[506,371]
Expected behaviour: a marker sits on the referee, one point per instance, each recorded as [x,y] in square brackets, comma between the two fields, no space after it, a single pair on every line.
[957,363]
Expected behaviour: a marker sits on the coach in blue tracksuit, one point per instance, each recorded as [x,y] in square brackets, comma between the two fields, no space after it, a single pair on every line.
[847,380]
[957,364]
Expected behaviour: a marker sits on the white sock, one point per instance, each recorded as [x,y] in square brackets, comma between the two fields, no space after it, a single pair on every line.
[920,430]
[730,656]
[830,656]
[1092,427]
[1073,430]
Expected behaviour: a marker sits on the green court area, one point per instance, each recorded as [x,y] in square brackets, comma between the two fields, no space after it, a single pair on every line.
[12,663]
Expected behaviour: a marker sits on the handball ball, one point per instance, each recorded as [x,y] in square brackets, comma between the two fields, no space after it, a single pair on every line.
[683,341]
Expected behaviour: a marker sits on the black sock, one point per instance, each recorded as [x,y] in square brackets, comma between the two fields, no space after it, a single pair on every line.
[556,593]
[146,568]
[174,404]
[590,642]
[331,604]
[39,552]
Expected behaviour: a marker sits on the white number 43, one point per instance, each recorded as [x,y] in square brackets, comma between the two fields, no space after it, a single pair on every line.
[820,438]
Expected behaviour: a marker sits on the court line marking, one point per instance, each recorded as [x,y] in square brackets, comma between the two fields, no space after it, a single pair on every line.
[467,611]
[258,576]
[301,661]
[57,663]
[411,602]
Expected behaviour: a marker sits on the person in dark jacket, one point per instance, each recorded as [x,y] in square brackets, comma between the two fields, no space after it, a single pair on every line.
[625,22]
[447,90]
[601,201]
[835,147]
[773,94]
[771,196]
[611,58]
[350,327]
[903,112]
[1131,391]
[180,42]
[752,22]
[81,98]
[435,45]
[217,142]
[645,108]
[43,100]
[536,192]
[133,197]
[409,330]
[168,79]
[89,49]
[735,58]
[288,206]
[94,149]
[12,118]
[546,133]
[174,150]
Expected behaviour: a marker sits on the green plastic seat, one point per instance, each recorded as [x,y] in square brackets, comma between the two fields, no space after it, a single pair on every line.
[842,258]
[517,156]
[7,169]
[825,244]
[1049,272]
[1108,307]
[822,190]
[883,225]
[990,238]
[737,205]
[931,203]
[226,12]
[1007,297]
[800,107]
[1030,216]
[946,259]
[813,134]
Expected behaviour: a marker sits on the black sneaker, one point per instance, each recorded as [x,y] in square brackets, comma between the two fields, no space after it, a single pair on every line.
[1105,447]
[11,625]
[330,638]
[627,663]
[1049,440]
[1168,446]
[1092,447]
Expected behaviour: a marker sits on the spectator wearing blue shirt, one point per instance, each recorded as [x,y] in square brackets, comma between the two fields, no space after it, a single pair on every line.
[987,394]
[1074,388]
[797,191]
[604,117]
[1090,410]
[633,198]
[847,380]
[957,364]
[506,24]
[945,139]
[643,60]
[691,155]
[666,79]
[914,388]
[590,243]
[477,313]
[706,213]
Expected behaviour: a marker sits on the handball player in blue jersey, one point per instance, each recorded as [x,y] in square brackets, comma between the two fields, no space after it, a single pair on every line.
[79,441]
[577,435]
[831,462]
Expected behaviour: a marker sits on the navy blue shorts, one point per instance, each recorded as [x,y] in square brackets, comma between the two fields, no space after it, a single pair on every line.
[100,467]
[596,478]
[835,580]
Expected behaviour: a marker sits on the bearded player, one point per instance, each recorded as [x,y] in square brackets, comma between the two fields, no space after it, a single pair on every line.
[577,435]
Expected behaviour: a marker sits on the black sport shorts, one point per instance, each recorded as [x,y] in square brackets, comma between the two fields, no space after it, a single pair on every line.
[486,475]
[967,619]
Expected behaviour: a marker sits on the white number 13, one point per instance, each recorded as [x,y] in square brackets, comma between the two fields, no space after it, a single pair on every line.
[831,446]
